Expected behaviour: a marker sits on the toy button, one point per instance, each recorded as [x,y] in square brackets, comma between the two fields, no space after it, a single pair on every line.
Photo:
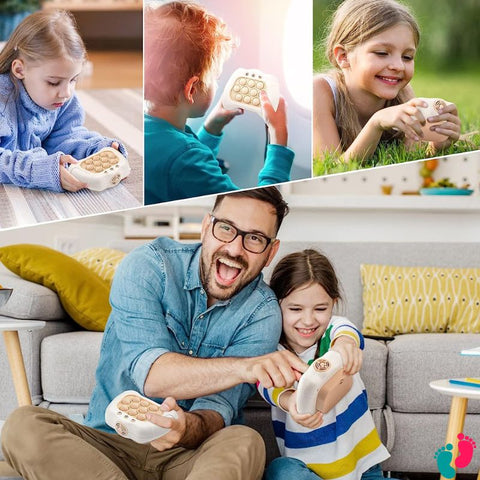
[116,179]
[321,365]
[121,429]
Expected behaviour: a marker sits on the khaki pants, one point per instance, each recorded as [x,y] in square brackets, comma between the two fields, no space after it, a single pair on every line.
[43,445]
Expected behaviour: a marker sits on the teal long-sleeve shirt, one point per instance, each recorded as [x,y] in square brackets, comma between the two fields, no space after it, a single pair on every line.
[180,164]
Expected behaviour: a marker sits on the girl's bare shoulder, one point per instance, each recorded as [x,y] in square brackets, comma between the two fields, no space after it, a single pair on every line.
[322,93]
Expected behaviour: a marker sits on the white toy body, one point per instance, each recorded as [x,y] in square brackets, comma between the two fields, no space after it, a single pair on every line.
[102,170]
[243,90]
[323,384]
[433,109]
[126,414]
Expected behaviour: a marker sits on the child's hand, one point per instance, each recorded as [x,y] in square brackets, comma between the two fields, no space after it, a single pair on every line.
[352,355]
[67,180]
[405,118]
[450,127]
[305,419]
[115,145]
[275,120]
[219,117]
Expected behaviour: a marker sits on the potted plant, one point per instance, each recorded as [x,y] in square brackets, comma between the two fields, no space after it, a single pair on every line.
[12,12]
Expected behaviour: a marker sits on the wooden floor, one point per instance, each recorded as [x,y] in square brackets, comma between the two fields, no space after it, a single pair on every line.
[113,69]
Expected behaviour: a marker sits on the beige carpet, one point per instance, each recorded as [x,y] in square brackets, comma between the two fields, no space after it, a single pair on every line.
[116,113]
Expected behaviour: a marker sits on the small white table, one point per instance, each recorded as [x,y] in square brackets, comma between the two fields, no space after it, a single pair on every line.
[458,409]
[10,329]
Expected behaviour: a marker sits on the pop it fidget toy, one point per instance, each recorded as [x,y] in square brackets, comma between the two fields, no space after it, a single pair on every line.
[126,414]
[102,170]
[244,87]
[432,110]
[323,384]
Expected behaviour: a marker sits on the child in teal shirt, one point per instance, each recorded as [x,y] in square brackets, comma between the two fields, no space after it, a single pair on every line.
[185,48]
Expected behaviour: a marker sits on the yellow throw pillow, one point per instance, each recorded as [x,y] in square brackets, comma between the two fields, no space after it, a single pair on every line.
[103,261]
[82,293]
[420,299]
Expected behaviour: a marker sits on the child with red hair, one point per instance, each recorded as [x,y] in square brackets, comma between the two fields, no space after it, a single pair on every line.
[185,48]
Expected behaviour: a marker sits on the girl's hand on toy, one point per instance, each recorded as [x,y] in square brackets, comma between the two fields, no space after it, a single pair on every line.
[219,117]
[67,180]
[177,426]
[115,145]
[451,126]
[276,120]
[304,419]
[405,117]
[352,356]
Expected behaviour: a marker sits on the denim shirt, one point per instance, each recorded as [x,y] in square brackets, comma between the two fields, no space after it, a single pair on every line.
[158,306]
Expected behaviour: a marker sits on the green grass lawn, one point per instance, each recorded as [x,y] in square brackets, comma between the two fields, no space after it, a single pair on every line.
[454,86]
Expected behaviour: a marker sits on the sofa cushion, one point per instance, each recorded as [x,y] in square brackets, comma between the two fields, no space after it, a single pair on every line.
[82,293]
[29,301]
[68,364]
[373,372]
[414,360]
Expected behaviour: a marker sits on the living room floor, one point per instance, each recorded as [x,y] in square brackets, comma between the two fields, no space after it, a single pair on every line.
[113,69]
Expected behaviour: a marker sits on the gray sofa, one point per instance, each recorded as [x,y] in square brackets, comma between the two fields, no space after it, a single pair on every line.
[411,417]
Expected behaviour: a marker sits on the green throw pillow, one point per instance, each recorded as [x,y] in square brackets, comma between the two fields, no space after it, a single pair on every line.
[82,293]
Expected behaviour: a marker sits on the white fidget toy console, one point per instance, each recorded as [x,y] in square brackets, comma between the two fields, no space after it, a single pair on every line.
[243,90]
[126,414]
[432,110]
[102,170]
[323,384]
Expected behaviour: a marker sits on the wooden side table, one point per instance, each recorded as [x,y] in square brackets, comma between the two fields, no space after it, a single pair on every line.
[10,328]
[458,410]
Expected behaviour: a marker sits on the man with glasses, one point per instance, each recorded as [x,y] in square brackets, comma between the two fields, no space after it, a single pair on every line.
[192,326]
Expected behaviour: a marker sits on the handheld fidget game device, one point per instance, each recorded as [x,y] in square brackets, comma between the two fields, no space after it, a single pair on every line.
[126,414]
[243,90]
[323,384]
[102,170]
[433,109]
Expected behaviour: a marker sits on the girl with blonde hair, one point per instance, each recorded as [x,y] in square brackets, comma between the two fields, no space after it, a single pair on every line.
[41,119]
[367,98]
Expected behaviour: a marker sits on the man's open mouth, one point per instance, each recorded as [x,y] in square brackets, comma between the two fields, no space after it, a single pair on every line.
[227,270]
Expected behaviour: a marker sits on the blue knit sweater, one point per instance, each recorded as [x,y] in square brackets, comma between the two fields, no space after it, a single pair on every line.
[33,138]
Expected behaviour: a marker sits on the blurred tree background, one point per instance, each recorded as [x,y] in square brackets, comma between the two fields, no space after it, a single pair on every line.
[447,63]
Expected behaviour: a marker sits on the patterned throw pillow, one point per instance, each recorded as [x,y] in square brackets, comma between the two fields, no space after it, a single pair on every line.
[103,261]
[420,299]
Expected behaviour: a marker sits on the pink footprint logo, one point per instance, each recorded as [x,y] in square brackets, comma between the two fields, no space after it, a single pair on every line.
[466,445]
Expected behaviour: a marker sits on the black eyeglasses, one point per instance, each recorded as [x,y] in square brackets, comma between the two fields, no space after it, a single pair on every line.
[227,233]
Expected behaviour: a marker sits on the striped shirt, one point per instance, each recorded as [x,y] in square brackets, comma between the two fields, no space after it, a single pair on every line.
[347,443]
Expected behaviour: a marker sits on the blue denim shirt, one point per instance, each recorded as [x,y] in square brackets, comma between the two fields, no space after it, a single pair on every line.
[158,306]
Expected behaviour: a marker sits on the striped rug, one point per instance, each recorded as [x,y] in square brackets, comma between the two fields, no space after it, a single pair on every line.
[114,113]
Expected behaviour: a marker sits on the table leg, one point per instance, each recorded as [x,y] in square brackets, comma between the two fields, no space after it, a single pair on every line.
[456,421]
[17,367]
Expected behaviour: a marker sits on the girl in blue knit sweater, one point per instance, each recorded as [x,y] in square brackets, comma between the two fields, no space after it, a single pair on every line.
[41,119]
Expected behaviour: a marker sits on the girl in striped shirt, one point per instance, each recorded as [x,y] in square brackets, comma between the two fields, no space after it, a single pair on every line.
[342,443]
